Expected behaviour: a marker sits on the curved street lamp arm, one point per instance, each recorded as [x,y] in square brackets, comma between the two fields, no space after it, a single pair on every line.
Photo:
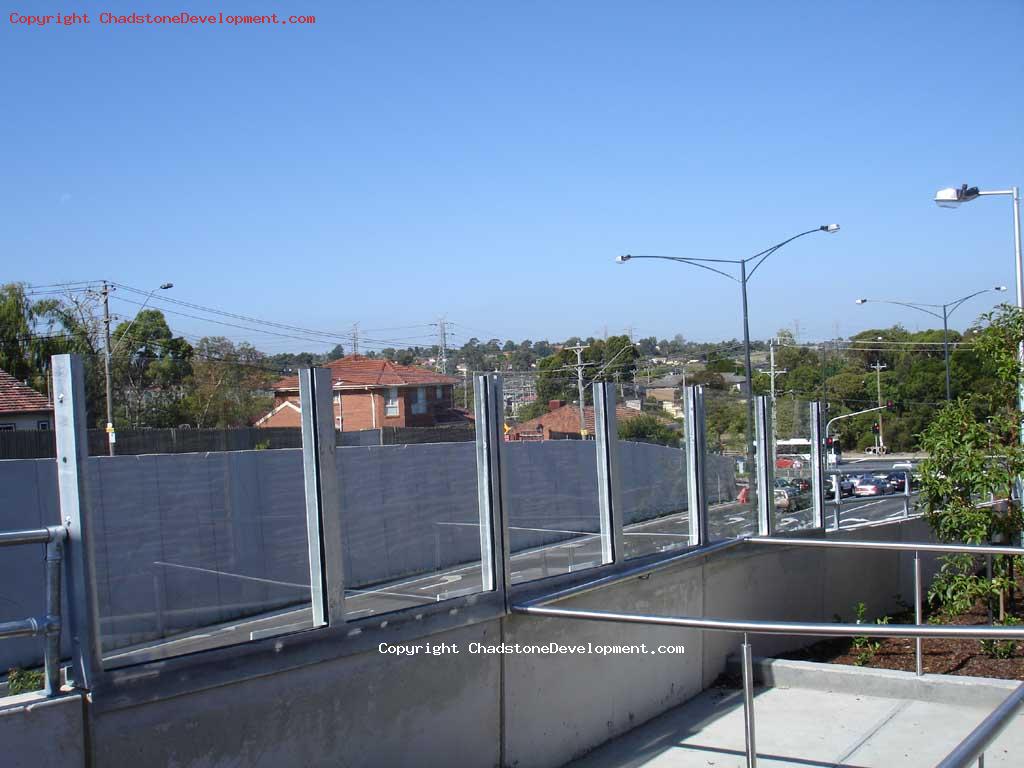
[918,307]
[954,305]
[694,262]
[769,251]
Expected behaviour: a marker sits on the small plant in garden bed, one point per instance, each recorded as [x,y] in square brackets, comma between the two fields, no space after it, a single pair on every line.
[864,647]
[23,680]
[1002,649]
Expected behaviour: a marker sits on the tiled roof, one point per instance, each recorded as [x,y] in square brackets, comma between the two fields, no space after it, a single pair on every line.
[359,371]
[16,397]
[567,419]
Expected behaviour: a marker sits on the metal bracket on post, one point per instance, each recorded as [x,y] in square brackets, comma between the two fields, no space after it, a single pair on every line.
[495,547]
[765,471]
[608,474]
[323,497]
[72,480]
[695,456]
[817,466]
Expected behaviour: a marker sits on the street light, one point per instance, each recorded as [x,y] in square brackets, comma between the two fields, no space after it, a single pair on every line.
[947,310]
[742,280]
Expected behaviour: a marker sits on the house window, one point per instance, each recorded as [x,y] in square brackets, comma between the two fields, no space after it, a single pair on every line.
[43,425]
[391,402]
[420,403]
[6,427]
[439,393]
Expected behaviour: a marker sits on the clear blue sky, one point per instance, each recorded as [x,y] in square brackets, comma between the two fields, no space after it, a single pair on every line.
[488,160]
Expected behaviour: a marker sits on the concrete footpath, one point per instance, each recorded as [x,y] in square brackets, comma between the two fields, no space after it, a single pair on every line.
[833,721]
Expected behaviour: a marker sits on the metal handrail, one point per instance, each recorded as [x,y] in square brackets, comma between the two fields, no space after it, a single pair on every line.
[973,747]
[970,749]
[48,626]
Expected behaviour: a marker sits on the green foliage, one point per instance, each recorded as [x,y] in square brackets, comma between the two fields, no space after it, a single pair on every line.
[863,646]
[24,680]
[611,359]
[649,429]
[1002,649]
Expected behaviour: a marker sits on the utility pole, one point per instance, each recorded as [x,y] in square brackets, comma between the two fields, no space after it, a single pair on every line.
[442,344]
[773,373]
[111,436]
[355,338]
[879,367]
[580,365]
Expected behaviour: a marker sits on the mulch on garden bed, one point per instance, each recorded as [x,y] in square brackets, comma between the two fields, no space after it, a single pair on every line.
[940,656]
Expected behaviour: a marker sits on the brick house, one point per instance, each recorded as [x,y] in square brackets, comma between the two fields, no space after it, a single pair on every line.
[371,393]
[562,422]
[21,407]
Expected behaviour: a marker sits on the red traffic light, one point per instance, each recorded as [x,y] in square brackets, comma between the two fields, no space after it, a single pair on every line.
[890,405]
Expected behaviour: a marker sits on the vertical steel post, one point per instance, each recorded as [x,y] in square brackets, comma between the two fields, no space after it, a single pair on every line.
[73,483]
[51,651]
[608,474]
[817,466]
[323,497]
[495,544]
[838,496]
[748,703]
[906,494]
[765,471]
[696,498]
[918,661]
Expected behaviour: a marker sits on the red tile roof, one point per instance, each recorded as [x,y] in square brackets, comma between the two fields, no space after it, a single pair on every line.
[16,397]
[567,420]
[359,371]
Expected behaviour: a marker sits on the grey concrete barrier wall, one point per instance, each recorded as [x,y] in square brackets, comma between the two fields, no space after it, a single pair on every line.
[192,540]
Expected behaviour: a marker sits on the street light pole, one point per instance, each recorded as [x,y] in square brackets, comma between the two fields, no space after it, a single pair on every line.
[947,310]
[742,280]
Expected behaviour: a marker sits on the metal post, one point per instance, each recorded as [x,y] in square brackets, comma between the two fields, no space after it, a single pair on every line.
[988,573]
[817,466]
[608,475]
[906,494]
[696,498]
[323,497]
[749,373]
[765,471]
[51,652]
[839,497]
[495,543]
[945,349]
[918,663]
[73,485]
[1020,306]
[748,703]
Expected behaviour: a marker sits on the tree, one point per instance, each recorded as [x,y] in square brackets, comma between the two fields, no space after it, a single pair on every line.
[230,385]
[149,366]
[647,428]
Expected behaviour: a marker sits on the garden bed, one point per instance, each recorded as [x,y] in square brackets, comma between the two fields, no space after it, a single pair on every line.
[939,655]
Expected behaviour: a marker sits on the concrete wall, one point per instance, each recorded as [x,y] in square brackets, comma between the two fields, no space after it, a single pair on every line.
[36,732]
[523,710]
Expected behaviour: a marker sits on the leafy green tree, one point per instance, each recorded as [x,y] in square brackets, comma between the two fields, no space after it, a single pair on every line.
[648,429]
[230,385]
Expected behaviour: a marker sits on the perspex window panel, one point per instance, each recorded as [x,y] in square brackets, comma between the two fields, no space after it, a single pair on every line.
[653,483]
[793,497]
[552,506]
[410,520]
[198,550]
[730,471]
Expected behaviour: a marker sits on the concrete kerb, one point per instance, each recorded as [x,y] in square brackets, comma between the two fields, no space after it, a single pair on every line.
[960,690]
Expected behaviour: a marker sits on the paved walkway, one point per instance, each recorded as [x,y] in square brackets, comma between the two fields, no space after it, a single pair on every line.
[805,728]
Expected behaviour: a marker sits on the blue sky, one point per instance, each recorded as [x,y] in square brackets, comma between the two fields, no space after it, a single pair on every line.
[488,160]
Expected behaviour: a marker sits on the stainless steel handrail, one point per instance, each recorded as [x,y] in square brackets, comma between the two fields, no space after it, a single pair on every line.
[980,549]
[48,626]
[973,747]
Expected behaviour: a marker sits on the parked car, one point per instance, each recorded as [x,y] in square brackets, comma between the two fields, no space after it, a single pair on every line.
[845,486]
[898,481]
[800,483]
[782,499]
[872,487]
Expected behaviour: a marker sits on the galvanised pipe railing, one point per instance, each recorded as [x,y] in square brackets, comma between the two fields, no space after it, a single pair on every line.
[49,625]
[973,747]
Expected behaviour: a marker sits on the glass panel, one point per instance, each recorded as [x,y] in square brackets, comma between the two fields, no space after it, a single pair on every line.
[794,505]
[652,467]
[199,519]
[410,518]
[730,475]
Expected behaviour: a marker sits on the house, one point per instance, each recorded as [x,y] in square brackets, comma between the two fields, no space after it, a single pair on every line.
[371,393]
[562,422]
[735,381]
[666,389]
[21,407]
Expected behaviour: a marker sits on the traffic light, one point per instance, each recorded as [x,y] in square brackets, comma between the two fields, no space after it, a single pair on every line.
[874,427]
[890,406]
[829,441]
